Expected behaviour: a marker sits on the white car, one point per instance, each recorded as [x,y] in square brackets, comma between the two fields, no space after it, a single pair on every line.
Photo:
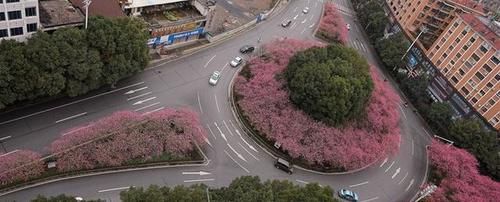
[237,61]
[348,26]
[214,78]
[306,10]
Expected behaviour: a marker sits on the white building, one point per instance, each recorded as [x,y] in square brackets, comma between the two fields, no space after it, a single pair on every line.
[18,19]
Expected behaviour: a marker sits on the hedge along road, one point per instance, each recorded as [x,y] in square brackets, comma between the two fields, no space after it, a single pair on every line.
[184,82]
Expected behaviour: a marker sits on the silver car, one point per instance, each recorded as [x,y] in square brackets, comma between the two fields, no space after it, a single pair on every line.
[237,61]
[214,78]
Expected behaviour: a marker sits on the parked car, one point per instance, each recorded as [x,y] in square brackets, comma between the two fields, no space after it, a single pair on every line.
[237,61]
[247,49]
[284,165]
[286,23]
[306,10]
[348,26]
[348,195]
[214,78]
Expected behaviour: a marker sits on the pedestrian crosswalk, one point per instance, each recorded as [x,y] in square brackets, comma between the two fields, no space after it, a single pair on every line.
[358,45]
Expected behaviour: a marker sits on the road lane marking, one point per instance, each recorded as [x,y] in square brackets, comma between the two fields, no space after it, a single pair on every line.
[4,138]
[304,21]
[248,151]
[71,117]
[138,96]
[311,18]
[302,181]
[196,173]
[135,90]
[227,127]
[390,166]
[199,180]
[237,154]
[422,128]
[371,199]
[412,147]
[401,181]
[249,145]
[152,111]
[295,17]
[294,10]
[396,173]
[312,25]
[78,129]
[208,142]
[383,163]
[355,185]
[71,103]
[293,25]
[143,101]
[8,153]
[402,111]
[236,161]
[206,64]
[221,133]
[224,67]
[411,183]
[113,189]
[216,103]
[211,132]
[147,106]
[199,102]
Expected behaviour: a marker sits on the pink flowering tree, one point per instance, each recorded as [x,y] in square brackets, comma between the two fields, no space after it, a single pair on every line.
[19,166]
[127,136]
[264,101]
[455,171]
[332,26]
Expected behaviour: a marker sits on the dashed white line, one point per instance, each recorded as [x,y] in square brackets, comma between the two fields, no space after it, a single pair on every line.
[383,163]
[147,106]
[312,25]
[199,102]
[248,151]
[211,132]
[396,173]
[113,189]
[71,117]
[236,161]
[355,185]
[199,180]
[143,101]
[302,181]
[209,61]
[390,166]
[4,138]
[216,103]
[371,199]
[221,133]
[237,154]
[8,153]
[224,67]
[249,145]
[67,133]
[304,21]
[135,90]
[295,17]
[411,183]
[138,96]
[227,127]
[401,181]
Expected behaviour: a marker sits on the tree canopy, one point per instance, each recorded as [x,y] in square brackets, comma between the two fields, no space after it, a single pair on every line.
[331,84]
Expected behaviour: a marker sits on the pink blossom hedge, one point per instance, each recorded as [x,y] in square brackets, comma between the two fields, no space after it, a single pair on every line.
[461,180]
[133,137]
[20,165]
[265,102]
[332,26]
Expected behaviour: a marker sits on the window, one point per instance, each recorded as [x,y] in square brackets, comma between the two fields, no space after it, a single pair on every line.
[459,55]
[479,76]
[481,93]
[445,55]
[31,11]
[461,72]
[457,40]
[474,100]
[455,24]
[31,27]
[450,48]
[12,1]
[465,47]
[466,92]
[475,57]
[487,68]
[495,60]
[13,15]
[438,62]
[489,85]
[483,49]
[452,62]
[438,47]
[464,33]
[491,102]
[3,33]
[494,120]
[16,31]
[454,79]
[2,16]
[472,39]
[497,77]
[484,110]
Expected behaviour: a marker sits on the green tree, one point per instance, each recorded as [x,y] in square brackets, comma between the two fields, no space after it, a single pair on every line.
[439,117]
[391,50]
[416,90]
[331,84]
[60,198]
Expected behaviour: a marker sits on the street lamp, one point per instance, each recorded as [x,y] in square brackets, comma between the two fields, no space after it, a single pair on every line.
[86,5]
[423,29]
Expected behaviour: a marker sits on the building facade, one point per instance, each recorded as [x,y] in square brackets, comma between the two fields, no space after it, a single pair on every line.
[19,19]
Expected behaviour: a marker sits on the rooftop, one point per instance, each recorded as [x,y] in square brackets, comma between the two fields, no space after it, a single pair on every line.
[145,3]
[174,16]
[486,28]
[474,5]
[58,13]
[105,8]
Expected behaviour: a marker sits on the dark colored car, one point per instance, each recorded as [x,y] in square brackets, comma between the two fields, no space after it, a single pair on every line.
[348,195]
[284,165]
[286,24]
[247,49]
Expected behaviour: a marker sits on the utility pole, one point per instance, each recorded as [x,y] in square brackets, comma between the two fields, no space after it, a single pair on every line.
[423,29]
[86,5]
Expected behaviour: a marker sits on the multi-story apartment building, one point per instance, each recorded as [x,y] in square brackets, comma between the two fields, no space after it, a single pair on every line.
[434,15]
[467,55]
[18,19]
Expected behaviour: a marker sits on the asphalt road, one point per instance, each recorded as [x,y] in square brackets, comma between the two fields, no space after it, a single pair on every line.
[184,83]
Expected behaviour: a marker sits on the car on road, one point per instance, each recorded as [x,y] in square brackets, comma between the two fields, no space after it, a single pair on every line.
[214,78]
[247,49]
[348,195]
[306,10]
[286,23]
[348,26]
[237,61]
[284,165]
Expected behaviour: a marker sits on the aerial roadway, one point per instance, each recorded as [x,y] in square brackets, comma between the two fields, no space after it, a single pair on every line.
[231,153]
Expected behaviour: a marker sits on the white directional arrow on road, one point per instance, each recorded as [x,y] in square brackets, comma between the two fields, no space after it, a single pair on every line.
[221,134]
[196,173]
[135,90]
[295,17]
[208,142]
[385,161]
[237,154]
[396,173]
[143,101]
[250,146]
[312,25]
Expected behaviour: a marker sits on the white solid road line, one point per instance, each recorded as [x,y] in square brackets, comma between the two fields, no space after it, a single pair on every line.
[383,163]
[196,173]
[71,103]
[302,181]
[138,96]
[396,173]
[69,132]
[211,132]
[249,145]
[227,127]
[143,101]
[11,152]
[199,180]
[401,181]
[355,185]
[216,103]
[199,102]
[412,147]
[371,199]
[71,117]
[209,61]
[4,138]
[154,110]
[411,183]
[237,154]
[422,129]
[221,133]
[402,111]
[147,106]
[390,166]
[113,189]
[248,151]
[236,161]
[135,90]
